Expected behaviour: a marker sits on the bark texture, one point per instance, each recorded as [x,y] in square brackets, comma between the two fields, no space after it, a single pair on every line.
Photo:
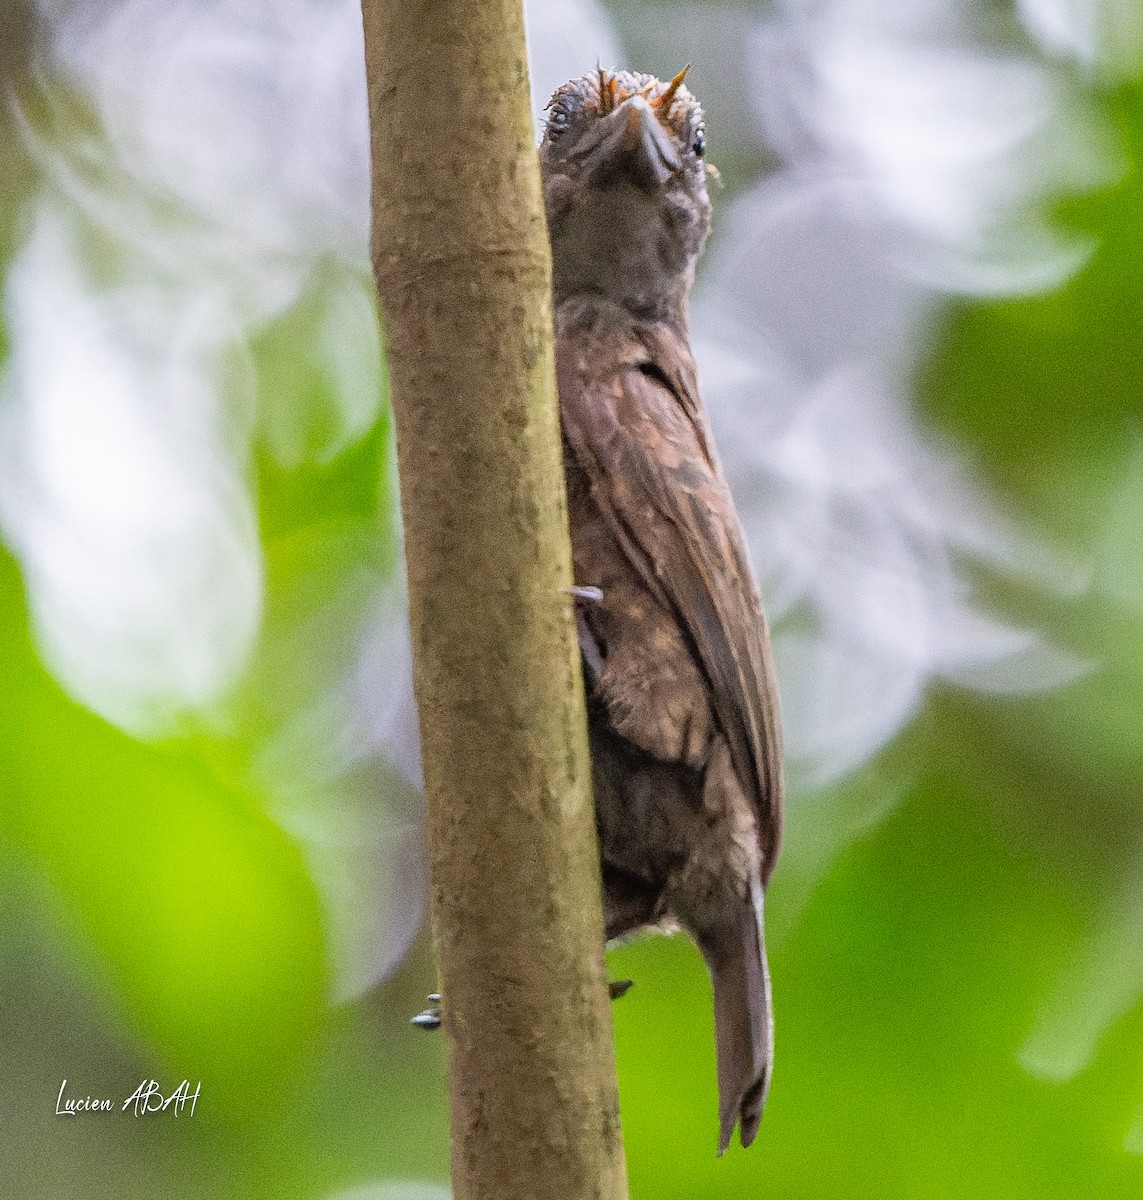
[461,257]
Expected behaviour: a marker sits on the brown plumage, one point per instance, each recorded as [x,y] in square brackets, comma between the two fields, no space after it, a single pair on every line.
[683,708]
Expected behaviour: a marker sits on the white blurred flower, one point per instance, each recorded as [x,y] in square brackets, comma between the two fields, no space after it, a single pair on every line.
[957,140]
[227,180]
[1104,37]
[917,159]
[251,117]
[858,519]
[118,490]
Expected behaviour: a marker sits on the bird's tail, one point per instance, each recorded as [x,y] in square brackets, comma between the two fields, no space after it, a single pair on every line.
[743,1026]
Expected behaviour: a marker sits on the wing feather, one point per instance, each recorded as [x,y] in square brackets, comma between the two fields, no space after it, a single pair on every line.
[640,436]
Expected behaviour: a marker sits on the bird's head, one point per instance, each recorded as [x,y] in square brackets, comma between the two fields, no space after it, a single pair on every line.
[625,188]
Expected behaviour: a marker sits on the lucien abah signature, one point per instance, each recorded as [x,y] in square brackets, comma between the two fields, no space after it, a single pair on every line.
[147,1098]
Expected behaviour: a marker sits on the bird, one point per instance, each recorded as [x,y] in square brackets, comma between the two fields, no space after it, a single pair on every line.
[682,700]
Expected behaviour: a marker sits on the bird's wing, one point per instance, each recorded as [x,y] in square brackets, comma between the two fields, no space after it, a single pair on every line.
[638,432]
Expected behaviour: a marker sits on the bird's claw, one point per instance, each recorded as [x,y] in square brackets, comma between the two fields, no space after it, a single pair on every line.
[591,595]
[619,987]
[431,1017]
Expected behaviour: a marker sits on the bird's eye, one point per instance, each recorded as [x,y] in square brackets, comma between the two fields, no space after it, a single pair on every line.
[557,122]
[699,144]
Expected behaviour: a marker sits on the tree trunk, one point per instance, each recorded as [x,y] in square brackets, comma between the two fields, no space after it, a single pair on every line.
[461,258]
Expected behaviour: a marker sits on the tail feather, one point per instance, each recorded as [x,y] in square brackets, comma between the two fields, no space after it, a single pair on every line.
[743,1028]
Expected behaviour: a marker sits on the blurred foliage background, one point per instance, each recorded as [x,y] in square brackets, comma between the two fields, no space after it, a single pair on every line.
[918,328]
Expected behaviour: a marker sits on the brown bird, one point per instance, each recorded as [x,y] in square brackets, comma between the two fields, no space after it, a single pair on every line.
[683,705]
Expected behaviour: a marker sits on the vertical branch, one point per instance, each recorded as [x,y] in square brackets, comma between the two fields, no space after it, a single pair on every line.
[461,258]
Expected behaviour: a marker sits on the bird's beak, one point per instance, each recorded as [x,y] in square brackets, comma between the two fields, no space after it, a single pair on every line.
[630,142]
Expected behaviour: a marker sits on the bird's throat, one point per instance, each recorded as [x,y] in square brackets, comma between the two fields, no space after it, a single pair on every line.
[621,242]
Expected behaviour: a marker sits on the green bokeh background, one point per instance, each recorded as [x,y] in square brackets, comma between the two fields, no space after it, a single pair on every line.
[958,980]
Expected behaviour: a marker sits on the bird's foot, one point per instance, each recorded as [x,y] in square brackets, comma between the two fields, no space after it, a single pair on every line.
[588,595]
[590,650]
[431,1017]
